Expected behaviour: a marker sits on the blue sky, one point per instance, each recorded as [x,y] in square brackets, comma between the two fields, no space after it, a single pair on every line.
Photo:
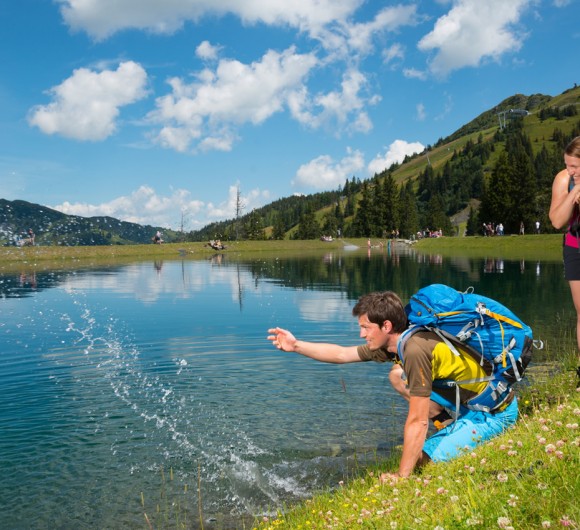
[157,112]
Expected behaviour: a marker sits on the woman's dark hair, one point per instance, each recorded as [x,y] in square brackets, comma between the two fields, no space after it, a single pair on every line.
[381,306]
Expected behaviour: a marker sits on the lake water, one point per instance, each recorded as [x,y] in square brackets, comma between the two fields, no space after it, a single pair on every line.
[128,387]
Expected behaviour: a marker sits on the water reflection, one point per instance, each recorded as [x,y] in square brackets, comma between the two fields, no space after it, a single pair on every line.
[110,374]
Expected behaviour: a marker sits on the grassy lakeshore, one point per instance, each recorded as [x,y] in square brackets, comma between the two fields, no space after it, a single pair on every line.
[546,247]
[527,478]
[543,246]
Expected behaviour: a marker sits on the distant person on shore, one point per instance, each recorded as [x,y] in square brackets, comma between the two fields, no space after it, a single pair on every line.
[522,228]
[157,238]
[382,320]
[564,211]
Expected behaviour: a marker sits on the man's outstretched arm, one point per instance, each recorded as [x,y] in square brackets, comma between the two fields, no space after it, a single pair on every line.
[320,351]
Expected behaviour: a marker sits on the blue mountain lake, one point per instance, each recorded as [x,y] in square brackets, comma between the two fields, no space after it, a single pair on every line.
[151,388]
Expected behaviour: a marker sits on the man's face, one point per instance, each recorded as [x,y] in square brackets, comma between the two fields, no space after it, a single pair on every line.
[375,335]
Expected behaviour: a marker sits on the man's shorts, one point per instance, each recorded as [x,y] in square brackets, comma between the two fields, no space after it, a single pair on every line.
[470,430]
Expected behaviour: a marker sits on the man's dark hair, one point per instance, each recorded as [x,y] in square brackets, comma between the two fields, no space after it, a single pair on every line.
[382,306]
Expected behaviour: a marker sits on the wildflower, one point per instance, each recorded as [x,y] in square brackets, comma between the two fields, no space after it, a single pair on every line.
[542,486]
[559,455]
[503,522]
[541,440]
[550,448]
[438,528]
[393,524]
[571,425]
[512,453]
[520,443]
[566,521]
[577,411]
[560,443]
[502,477]
[482,461]
[513,500]
[472,470]
[441,491]
[454,498]
[546,524]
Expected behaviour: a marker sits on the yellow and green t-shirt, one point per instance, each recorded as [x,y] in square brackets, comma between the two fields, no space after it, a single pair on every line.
[427,358]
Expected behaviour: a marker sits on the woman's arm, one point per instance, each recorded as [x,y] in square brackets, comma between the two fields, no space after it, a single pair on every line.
[563,201]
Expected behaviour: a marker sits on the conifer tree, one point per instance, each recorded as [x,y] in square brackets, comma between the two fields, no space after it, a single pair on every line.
[279,230]
[408,211]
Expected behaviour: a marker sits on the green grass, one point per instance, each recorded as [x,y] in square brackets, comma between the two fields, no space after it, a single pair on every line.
[546,247]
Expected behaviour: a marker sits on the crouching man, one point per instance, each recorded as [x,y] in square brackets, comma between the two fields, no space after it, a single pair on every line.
[426,358]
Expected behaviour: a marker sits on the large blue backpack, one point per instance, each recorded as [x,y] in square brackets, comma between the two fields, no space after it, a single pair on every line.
[480,327]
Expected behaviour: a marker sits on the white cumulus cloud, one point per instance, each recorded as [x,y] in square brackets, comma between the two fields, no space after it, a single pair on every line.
[395,153]
[341,110]
[473,31]
[86,105]
[143,206]
[210,108]
[207,51]
[102,18]
[248,202]
[325,173]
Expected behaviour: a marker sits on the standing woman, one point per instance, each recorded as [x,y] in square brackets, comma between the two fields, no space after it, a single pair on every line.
[564,211]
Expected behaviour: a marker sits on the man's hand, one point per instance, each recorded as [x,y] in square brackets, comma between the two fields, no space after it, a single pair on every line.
[282,339]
